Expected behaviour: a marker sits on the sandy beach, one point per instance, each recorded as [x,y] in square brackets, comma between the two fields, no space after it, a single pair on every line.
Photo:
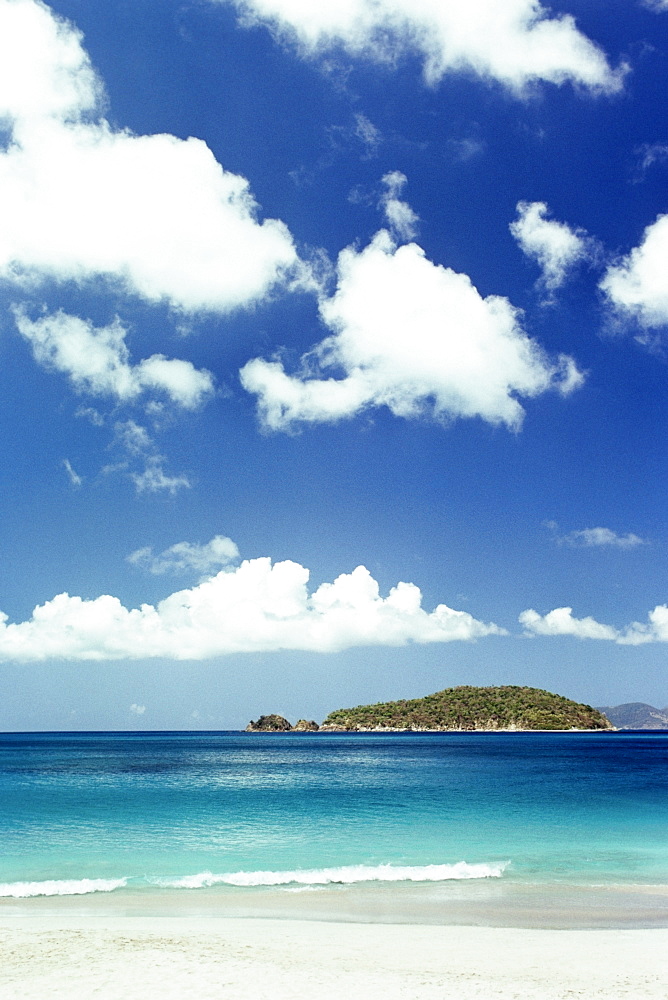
[138,958]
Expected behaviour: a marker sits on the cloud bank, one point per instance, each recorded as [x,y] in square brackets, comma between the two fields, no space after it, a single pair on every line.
[514,42]
[154,214]
[413,336]
[561,622]
[256,607]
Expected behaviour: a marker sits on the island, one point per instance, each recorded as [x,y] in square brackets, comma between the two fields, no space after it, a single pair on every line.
[277,724]
[636,715]
[466,708]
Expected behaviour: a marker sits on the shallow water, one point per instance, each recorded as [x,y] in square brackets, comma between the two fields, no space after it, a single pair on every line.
[455,827]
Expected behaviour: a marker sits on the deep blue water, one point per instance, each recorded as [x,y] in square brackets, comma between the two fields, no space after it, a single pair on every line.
[257,809]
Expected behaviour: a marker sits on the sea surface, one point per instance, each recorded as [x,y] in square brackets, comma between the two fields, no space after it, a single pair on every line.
[545,829]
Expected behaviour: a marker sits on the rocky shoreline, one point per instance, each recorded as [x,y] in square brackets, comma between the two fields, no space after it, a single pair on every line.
[278,724]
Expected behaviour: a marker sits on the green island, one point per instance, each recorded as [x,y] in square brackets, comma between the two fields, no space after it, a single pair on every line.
[471,708]
[464,708]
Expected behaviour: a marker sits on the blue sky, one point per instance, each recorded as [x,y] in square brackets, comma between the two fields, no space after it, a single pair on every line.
[333,355]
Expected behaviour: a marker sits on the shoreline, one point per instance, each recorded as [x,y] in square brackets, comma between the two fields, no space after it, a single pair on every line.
[338,730]
[232,959]
[484,903]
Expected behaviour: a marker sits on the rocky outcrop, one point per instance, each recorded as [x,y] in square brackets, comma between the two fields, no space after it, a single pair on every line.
[306,726]
[269,724]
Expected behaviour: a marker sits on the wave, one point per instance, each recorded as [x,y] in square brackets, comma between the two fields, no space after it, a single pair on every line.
[61,887]
[305,877]
[346,875]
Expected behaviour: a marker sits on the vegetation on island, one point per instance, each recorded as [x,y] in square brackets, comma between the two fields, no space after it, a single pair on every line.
[277,724]
[269,724]
[471,708]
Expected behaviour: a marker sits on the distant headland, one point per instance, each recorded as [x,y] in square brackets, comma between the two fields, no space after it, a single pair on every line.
[636,715]
[459,709]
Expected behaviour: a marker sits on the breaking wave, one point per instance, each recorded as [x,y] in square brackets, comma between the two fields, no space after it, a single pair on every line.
[61,887]
[306,877]
[347,875]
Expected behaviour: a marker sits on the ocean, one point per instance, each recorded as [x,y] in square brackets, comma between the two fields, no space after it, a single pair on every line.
[524,829]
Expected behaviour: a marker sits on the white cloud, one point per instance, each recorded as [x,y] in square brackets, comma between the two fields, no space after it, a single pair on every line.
[183,556]
[650,153]
[91,414]
[400,216]
[368,134]
[135,440]
[44,70]
[137,709]
[554,245]
[658,5]
[415,337]
[638,286]
[602,537]
[74,477]
[153,478]
[515,42]
[561,622]
[466,149]
[254,607]
[98,361]
[154,214]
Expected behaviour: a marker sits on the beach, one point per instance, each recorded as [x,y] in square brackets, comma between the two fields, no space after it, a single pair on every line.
[138,958]
[428,866]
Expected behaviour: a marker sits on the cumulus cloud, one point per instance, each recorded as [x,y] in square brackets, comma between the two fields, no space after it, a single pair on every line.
[553,245]
[561,622]
[413,336]
[515,42]
[660,6]
[57,80]
[637,287]
[97,361]
[255,607]
[602,537]
[137,709]
[154,214]
[185,556]
[401,218]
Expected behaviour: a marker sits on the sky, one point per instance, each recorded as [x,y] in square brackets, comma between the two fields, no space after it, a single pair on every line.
[333,353]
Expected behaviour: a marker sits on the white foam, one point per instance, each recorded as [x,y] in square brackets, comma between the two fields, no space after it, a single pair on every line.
[347,875]
[61,887]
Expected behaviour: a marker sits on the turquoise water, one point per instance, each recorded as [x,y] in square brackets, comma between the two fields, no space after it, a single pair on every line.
[236,813]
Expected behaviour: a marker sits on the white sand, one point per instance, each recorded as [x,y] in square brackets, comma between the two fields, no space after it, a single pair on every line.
[141,958]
